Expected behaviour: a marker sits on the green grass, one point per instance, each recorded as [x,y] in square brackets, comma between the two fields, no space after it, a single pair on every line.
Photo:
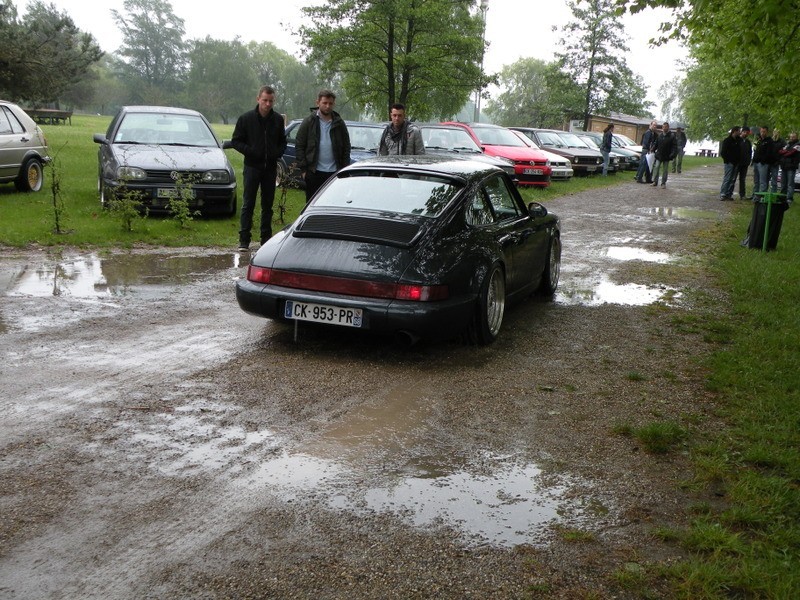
[29,218]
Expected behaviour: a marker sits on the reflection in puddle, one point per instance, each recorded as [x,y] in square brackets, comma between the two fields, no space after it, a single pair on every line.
[92,277]
[630,253]
[606,292]
[676,212]
[505,508]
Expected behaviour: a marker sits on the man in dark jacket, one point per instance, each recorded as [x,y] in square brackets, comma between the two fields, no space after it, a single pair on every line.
[790,159]
[666,150]
[648,141]
[731,153]
[323,144]
[764,155]
[745,156]
[260,136]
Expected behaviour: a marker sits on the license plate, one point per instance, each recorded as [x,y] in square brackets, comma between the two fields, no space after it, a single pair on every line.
[173,193]
[591,169]
[532,172]
[321,313]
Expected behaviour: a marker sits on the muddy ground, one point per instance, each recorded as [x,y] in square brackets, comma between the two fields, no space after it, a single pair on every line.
[157,442]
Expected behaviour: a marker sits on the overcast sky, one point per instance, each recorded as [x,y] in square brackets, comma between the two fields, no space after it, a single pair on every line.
[514,29]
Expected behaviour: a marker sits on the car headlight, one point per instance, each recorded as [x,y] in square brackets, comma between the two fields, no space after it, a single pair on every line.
[131,174]
[216,176]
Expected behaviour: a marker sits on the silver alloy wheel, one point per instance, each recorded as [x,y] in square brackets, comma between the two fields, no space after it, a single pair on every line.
[495,301]
[554,257]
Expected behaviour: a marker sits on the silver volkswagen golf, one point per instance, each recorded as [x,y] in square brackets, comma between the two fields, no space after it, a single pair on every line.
[23,149]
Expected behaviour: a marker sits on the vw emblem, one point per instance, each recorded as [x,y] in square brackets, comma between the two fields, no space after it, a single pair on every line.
[174,175]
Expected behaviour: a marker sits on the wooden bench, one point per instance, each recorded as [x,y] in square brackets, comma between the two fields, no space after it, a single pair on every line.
[51,116]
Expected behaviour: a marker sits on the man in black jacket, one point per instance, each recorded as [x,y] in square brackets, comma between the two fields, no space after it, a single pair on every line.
[744,161]
[666,149]
[731,153]
[261,137]
[323,144]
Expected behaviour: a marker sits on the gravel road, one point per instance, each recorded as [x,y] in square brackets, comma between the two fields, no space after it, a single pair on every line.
[156,442]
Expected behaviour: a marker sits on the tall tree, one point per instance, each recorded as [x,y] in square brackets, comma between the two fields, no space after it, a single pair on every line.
[423,53]
[153,51]
[536,94]
[221,80]
[42,55]
[593,50]
[744,62]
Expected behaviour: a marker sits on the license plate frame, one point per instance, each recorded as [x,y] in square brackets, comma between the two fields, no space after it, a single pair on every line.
[532,172]
[170,193]
[323,313]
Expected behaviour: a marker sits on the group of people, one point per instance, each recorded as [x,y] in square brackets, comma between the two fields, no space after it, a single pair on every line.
[769,155]
[666,147]
[322,148]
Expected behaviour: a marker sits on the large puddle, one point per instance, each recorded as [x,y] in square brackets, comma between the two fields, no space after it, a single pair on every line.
[92,276]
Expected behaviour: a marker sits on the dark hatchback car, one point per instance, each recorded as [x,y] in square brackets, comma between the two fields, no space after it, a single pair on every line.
[365,138]
[415,246]
[584,160]
[23,149]
[157,153]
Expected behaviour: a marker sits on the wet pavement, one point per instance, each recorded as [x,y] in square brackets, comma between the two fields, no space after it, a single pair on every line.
[132,378]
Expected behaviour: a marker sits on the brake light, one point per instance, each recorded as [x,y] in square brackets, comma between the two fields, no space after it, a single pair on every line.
[350,287]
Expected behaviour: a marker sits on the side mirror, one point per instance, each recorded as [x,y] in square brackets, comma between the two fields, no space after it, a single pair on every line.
[537,210]
[100,138]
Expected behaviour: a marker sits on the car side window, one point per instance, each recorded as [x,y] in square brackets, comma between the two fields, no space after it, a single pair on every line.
[5,122]
[501,198]
[478,210]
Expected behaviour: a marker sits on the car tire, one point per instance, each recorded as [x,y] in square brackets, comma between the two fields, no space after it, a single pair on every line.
[31,177]
[101,189]
[488,318]
[232,207]
[552,268]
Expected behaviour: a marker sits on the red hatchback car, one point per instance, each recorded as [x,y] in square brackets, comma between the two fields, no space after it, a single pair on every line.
[530,165]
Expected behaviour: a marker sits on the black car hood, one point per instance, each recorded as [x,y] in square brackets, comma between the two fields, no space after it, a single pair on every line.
[161,157]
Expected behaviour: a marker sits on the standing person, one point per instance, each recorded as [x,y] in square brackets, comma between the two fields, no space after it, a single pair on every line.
[666,150]
[323,144]
[648,141]
[605,146]
[260,136]
[731,153]
[680,136]
[400,136]
[777,144]
[745,158]
[763,152]
[790,159]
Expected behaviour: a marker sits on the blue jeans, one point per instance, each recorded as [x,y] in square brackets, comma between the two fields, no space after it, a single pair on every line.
[605,154]
[657,166]
[728,180]
[773,178]
[254,179]
[762,180]
[787,183]
[644,170]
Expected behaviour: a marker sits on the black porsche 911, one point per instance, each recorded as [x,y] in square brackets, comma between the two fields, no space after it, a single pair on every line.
[420,246]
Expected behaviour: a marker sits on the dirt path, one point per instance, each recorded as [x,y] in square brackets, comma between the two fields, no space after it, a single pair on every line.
[159,443]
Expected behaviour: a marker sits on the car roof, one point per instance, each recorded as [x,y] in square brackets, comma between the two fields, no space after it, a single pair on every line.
[447,165]
[173,110]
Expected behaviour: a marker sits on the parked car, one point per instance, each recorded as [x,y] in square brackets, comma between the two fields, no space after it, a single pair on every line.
[23,149]
[628,159]
[416,246]
[626,142]
[615,160]
[530,165]
[157,153]
[584,159]
[455,141]
[365,138]
[560,166]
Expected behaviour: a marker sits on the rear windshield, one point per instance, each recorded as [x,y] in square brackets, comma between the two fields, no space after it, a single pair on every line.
[390,191]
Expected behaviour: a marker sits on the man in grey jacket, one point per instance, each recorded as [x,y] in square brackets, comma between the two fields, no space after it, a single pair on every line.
[400,136]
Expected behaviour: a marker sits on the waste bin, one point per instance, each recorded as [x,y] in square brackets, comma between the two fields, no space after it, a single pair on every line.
[765,224]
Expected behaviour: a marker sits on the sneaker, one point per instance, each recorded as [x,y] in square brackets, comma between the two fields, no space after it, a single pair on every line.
[655,184]
[244,248]
[663,185]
